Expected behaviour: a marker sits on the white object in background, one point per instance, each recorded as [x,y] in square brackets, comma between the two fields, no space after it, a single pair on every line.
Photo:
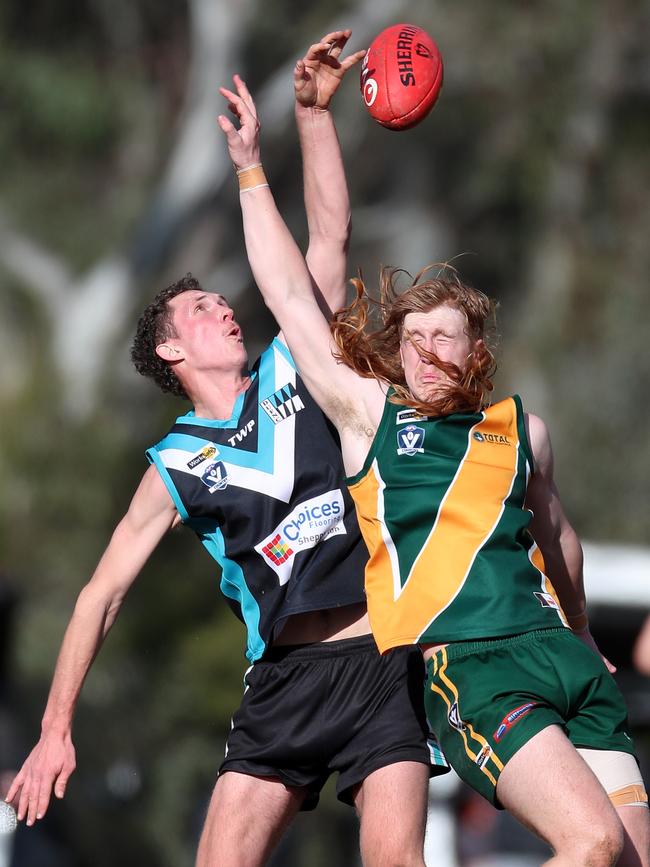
[8,821]
[8,824]
[440,836]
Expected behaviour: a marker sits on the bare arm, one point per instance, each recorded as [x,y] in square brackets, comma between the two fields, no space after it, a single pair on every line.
[317,77]
[52,760]
[353,404]
[556,538]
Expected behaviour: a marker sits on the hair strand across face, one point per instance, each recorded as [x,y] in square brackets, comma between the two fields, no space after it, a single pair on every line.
[374,352]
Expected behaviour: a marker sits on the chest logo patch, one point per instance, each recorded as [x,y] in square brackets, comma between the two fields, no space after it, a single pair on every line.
[242,433]
[215,476]
[499,439]
[284,403]
[205,454]
[312,521]
[410,440]
[408,414]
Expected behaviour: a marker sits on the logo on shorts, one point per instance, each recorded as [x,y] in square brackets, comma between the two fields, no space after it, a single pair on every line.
[483,757]
[513,718]
[215,476]
[312,521]
[410,439]
[204,454]
[454,718]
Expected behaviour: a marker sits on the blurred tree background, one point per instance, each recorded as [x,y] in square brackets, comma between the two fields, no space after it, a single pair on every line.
[533,170]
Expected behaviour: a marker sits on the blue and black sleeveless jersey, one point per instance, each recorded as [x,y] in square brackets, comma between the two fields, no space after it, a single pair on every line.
[264,491]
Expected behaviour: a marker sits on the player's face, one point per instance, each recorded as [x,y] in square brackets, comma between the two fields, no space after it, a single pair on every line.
[207,335]
[442,331]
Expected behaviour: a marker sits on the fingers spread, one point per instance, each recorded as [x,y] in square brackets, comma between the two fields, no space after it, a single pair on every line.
[337,39]
[244,93]
[352,59]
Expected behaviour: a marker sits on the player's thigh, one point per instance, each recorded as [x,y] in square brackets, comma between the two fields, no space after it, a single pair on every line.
[551,789]
[245,820]
[392,806]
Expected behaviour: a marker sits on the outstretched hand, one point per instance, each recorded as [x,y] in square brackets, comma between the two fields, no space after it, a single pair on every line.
[243,143]
[318,74]
[47,767]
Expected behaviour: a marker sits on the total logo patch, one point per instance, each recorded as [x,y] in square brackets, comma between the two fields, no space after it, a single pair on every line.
[499,439]
[204,454]
[410,440]
[311,522]
[513,718]
[215,476]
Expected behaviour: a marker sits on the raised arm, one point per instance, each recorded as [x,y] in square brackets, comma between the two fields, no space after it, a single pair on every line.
[52,760]
[352,403]
[317,77]
[554,535]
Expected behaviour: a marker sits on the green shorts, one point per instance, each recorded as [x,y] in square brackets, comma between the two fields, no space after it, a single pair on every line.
[486,699]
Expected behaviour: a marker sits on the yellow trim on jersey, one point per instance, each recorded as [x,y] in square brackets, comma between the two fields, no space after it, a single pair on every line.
[401,614]
[537,559]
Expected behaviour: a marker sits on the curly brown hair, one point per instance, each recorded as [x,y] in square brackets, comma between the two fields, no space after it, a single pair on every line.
[154,327]
[374,352]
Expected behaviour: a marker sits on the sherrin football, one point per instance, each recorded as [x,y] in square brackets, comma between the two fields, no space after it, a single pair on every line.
[401,76]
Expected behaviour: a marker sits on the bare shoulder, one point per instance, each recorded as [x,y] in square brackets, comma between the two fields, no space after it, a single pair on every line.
[152,501]
[540,441]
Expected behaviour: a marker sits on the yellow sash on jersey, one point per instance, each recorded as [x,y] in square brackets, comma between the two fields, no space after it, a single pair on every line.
[468,514]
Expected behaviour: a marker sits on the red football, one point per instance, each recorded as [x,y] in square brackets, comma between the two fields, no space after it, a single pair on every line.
[401,76]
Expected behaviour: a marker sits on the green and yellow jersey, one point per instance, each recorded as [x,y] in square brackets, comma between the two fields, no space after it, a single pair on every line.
[440,503]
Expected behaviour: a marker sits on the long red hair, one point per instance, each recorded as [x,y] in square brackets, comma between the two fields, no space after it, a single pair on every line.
[375,351]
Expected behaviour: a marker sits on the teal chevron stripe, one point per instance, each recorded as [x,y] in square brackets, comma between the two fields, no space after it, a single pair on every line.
[233,585]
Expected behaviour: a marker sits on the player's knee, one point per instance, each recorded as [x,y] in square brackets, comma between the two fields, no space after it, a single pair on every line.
[602,845]
[390,853]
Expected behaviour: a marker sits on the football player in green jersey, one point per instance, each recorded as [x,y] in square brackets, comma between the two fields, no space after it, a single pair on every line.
[471,554]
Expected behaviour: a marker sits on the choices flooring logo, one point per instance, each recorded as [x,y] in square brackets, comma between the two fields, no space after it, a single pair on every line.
[312,521]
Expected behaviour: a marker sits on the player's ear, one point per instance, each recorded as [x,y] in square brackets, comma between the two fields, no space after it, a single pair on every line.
[168,352]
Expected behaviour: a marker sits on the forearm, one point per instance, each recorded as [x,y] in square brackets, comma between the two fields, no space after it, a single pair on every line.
[327,202]
[276,261]
[89,625]
[563,560]
[99,602]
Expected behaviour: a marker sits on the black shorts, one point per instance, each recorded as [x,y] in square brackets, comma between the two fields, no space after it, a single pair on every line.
[314,709]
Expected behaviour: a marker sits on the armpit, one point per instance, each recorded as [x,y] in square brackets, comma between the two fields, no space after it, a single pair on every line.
[349,418]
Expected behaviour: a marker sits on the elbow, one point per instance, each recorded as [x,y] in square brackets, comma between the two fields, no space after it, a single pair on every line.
[100,606]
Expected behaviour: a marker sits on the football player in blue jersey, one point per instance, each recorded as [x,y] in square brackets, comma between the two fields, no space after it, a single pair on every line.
[255,470]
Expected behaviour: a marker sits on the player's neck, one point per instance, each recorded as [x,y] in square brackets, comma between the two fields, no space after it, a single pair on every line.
[214,393]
